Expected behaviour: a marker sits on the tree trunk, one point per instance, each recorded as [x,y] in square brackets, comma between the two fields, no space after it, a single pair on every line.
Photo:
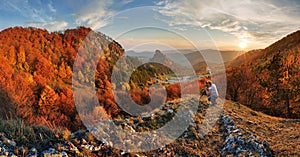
[235,96]
[287,105]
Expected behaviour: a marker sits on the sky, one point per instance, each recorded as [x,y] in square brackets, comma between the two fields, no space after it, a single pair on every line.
[144,25]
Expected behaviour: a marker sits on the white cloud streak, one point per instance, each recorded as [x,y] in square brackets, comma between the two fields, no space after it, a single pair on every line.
[51,8]
[124,2]
[94,14]
[41,15]
[51,26]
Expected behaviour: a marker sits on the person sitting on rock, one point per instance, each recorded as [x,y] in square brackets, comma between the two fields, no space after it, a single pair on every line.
[211,92]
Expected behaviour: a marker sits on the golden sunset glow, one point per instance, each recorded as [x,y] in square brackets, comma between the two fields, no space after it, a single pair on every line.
[243,45]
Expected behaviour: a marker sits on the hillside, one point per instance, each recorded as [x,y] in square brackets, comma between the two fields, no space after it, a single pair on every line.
[281,134]
[36,75]
[269,78]
[39,114]
[238,131]
[37,70]
[289,42]
[244,58]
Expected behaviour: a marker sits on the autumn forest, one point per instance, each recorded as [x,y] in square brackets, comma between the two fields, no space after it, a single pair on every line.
[36,77]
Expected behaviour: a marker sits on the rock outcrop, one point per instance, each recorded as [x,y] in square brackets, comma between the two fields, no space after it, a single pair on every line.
[238,143]
[228,139]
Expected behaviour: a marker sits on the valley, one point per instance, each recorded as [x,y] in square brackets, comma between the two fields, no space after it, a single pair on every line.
[43,118]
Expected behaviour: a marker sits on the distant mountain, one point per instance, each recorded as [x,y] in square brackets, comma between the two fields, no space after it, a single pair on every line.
[145,54]
[269,78]
[175,56]
[197,60]
[196,56]
[161,58]
[187,57]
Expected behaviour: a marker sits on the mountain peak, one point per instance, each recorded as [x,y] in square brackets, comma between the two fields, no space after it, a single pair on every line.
[161,58]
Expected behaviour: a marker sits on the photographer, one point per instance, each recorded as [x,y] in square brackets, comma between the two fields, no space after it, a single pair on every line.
[211,92]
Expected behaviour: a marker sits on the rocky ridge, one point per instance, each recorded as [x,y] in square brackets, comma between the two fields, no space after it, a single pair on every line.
[235,141]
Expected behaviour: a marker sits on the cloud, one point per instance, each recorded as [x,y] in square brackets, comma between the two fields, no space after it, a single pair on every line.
[51,8]
[51,26]
[124,2]
[247,20]
[43,14]
[10,5]
[94,14]
[33,10]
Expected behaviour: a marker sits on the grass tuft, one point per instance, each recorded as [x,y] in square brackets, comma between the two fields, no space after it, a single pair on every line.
[29,136]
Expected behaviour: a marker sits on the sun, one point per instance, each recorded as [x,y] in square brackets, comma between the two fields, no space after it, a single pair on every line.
[243,45]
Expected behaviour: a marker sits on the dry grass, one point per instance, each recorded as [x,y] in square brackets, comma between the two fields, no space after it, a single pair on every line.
[26,135]
[283,135]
